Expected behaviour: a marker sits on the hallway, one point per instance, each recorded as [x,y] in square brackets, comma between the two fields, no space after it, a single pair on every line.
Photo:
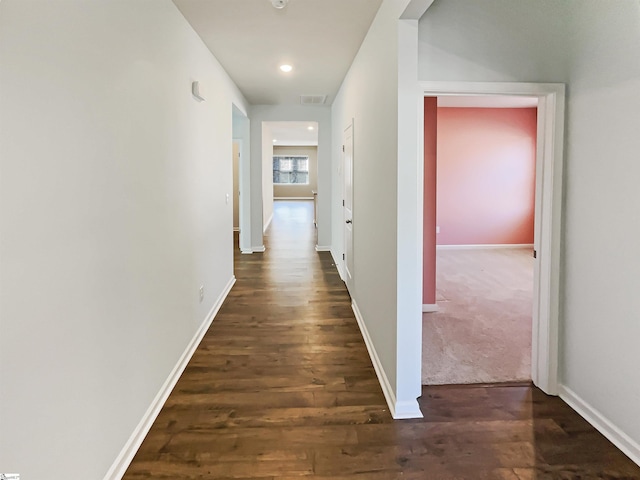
[282,387]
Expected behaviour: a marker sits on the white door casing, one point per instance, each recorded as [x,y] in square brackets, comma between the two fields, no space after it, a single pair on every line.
[241,134]
[347,160]
[235,196]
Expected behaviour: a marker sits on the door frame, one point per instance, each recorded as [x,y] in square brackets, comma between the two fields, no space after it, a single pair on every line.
[348,274]
[236,198]
[548,216]
[241,132]
[244,213]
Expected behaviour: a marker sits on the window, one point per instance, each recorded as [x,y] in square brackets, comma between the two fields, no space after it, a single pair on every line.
[291,169]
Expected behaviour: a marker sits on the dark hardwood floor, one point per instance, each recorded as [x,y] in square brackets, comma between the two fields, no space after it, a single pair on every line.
[282,387]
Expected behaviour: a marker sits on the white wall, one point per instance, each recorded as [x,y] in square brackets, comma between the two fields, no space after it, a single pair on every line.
[475,49]
[601,304]
[294,113]
[591,45]
[372,95]
[112,214]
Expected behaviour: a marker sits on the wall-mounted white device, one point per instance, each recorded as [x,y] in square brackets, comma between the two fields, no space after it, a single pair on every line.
[197,90]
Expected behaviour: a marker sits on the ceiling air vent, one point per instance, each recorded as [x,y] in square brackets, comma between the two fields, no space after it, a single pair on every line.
[313,99]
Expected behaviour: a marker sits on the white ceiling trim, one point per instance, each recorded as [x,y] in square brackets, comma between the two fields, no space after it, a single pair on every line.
[416,9]
[487,101]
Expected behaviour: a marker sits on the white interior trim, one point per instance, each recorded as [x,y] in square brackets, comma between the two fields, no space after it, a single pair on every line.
[325,248]
[415,9]
[338,265]
[429,307]
[293,198]
[624,442]
[549,168]
[483,246]
[241,133]
[399,410]
[266,226]
[120,465]
[258,249]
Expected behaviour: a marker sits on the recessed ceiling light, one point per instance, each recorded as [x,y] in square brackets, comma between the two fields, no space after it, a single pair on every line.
[286,68]
[310,127]
[274,140]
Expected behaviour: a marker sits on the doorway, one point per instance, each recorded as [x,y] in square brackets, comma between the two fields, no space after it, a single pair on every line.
[236,193]
[549,146]
[289,165]
[241,187]
[478,329]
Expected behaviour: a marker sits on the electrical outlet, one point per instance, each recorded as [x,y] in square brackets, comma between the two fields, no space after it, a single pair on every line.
[201,292]
[226,198]
[437,229]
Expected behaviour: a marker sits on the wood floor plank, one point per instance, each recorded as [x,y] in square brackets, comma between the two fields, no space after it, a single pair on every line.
[282,388]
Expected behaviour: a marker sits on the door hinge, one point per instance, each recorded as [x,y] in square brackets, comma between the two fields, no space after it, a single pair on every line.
[343,203]
[343,148]
[343,256]
[535,254]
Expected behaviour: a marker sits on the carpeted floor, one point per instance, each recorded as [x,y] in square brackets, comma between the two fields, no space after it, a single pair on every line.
[482,331]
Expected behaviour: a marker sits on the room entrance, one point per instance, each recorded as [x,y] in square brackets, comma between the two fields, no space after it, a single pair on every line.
[548,194]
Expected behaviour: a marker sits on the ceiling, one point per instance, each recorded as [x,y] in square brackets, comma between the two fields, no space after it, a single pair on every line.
[293,133]
[251,39]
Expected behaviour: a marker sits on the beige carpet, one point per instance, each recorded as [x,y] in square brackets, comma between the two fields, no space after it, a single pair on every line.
[482,331]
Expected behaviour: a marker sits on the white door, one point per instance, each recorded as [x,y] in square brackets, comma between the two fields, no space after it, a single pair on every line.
[347,157]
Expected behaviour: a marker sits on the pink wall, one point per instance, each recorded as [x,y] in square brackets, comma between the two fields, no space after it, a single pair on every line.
[485,175]
[430,163]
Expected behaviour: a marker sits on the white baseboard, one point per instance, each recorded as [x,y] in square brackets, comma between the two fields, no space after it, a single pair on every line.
[389,395]
[322,249]
[266,225]
[481,247]
[407,410]
[259,249]
[624,442]
[338,265]
[120,465]
[236,229]
[429,307]
[399,410]
[340,271]
[293,198]
[245,252]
